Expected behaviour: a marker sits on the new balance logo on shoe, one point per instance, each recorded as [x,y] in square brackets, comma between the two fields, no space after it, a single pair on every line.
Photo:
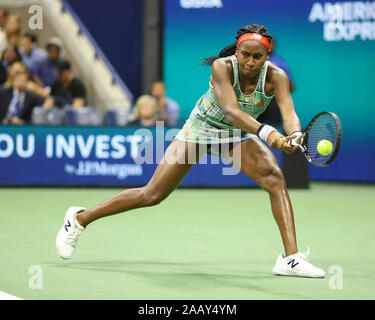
[67,225]
[293,264]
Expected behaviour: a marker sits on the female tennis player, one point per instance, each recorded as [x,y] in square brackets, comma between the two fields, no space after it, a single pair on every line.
[241,85]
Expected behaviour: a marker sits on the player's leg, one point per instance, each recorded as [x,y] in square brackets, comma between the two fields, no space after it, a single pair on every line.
[168,175]
[178,159]
[259,163]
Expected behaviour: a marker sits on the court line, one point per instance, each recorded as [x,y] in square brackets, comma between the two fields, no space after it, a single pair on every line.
[7,296]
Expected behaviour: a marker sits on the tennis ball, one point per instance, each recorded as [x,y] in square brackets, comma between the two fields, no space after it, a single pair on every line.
[324,147]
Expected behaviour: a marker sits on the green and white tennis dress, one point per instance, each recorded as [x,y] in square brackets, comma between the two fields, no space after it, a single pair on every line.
[207,123]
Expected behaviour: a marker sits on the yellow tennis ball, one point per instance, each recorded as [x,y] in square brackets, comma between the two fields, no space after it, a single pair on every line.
[324,147]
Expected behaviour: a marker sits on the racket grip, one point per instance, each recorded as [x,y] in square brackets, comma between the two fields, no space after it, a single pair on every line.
[297,141]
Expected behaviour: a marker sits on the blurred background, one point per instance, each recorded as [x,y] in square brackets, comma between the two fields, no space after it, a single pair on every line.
[96,75]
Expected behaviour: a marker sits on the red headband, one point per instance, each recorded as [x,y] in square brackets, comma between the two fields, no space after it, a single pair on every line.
[254,36]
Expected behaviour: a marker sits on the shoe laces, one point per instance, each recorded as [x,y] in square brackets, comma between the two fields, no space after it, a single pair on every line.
[73,236]
[306,254]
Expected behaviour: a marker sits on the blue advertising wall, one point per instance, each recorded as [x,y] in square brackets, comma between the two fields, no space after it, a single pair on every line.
[330,51]
[98,156]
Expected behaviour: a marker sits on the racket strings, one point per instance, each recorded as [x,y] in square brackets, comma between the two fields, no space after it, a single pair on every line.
[325,128]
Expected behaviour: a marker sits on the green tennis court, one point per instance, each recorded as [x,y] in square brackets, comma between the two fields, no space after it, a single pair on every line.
[198,244]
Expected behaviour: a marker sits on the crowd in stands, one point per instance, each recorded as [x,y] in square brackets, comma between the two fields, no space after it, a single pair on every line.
[33,77]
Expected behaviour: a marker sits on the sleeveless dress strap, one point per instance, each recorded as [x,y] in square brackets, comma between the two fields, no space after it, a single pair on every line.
[235,70]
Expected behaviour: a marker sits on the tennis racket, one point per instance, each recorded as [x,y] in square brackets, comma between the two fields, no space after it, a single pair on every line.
[324,126]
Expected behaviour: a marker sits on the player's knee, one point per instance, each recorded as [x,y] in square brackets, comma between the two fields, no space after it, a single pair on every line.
[152,196]
[156,198]
[273,178]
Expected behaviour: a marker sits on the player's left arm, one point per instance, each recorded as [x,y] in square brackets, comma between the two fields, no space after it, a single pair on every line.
[285,101]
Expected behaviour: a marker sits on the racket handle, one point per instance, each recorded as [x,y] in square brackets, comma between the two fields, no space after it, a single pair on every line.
[297,141]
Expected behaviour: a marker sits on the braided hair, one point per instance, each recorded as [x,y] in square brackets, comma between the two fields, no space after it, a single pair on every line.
[231,49]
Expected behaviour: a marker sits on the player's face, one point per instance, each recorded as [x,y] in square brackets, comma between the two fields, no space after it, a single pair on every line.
[251,57]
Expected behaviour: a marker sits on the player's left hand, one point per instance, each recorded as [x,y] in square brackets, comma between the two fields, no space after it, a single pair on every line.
[286,146]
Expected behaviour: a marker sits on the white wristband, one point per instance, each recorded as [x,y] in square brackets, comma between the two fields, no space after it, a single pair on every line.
[264,131]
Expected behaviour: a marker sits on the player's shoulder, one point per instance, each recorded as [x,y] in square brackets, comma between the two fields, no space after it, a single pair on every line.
[222,65]
[275,74]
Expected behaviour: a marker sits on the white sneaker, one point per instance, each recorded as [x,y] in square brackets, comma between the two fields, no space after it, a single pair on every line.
[67,237]
[297,265]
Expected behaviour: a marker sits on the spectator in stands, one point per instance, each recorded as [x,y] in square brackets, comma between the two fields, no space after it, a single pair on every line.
[10,56]
[12,29]
[145,112]
[32,56]
[17,103]
[31,85]
[67,90]
[168,109]
[3,19]
[47,71]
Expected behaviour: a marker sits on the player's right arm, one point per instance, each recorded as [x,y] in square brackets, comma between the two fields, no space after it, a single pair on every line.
[225,95]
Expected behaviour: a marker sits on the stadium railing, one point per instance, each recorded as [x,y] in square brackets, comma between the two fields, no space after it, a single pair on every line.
[42,116]
[82,116]
[117,117]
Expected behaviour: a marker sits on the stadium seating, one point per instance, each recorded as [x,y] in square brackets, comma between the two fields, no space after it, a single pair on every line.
[41,116]
[83,116]
[117,117]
